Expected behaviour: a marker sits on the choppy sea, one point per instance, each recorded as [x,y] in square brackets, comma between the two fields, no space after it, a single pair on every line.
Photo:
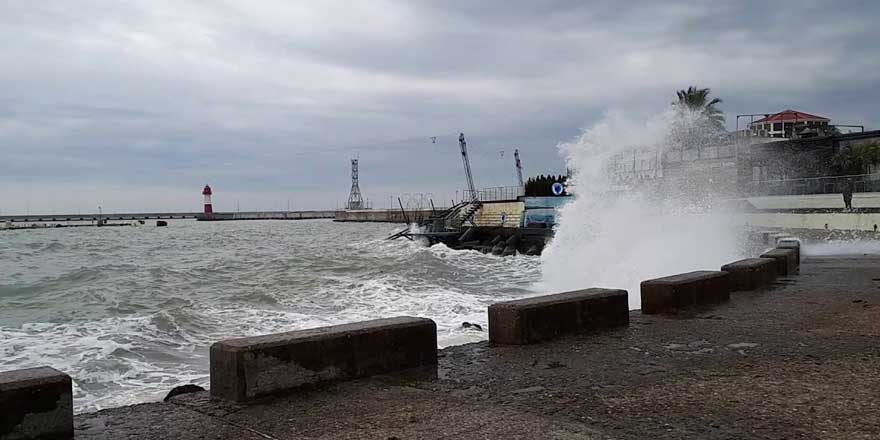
[130,312]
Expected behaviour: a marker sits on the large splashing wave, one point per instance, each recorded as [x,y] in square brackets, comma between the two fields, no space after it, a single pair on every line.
[616,234]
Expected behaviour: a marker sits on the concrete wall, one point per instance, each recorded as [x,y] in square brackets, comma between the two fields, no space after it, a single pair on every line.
[815,201]
[384,215]
[835,221]
[492,214]
[267,215]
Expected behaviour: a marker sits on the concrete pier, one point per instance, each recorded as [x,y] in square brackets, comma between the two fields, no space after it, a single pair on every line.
[797,359]
[266,215]
[385,215]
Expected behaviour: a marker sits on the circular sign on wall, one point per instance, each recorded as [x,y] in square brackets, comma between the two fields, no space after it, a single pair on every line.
[558,189]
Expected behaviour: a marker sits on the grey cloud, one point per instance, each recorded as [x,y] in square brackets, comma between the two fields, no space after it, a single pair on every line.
[269,100]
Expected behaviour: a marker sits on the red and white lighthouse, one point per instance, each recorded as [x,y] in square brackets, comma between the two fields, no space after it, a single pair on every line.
[209,209]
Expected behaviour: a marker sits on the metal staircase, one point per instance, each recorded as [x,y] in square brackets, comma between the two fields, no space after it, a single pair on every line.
[467,215]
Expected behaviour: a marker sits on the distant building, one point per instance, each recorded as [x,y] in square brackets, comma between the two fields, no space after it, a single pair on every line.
[790,124]
[801,166]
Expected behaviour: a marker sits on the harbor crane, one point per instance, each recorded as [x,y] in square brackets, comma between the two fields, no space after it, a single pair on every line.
[467,167]
[518,169]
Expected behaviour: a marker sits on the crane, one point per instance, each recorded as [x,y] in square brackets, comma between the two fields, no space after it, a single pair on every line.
[518,168]
[467,167]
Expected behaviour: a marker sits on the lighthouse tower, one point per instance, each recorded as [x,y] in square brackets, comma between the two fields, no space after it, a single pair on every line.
[209,209]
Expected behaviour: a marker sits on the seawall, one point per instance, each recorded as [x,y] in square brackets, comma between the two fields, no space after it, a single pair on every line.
[831,221]
[384,215]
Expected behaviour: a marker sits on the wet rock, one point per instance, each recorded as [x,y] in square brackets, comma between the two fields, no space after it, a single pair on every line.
[471,326]
[554,364]
[183,389]
[527,390]
[740,345]
[468,392]
[466,236]
[698,344]
[498,249]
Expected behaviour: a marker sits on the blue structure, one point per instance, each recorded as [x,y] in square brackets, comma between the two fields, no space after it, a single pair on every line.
[540,212]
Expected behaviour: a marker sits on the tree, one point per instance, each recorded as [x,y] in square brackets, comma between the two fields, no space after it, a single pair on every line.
[697,101]
[856,159]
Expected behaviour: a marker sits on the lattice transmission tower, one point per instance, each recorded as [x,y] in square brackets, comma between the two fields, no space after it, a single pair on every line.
[355,200]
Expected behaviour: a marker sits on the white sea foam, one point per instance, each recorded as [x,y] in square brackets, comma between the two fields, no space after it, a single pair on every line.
[607,237]
[130,313]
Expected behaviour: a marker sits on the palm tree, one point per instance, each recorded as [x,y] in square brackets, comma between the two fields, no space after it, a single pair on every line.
[697,101]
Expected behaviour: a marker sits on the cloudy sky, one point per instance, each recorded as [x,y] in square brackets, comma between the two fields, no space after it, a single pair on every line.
[136,105]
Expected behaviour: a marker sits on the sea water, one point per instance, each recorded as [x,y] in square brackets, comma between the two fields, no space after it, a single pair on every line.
[130,312]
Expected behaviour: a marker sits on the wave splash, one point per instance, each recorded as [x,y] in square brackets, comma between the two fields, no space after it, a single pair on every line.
[621,230]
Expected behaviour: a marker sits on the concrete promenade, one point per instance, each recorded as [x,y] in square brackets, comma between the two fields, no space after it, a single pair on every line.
[800,359]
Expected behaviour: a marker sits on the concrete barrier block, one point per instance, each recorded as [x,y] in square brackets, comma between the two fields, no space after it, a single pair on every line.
[531,320]
[786,261]
[248,368]
[751,273]
[683,291]
[791,243]
[36,403]
[775,237]
[766,236]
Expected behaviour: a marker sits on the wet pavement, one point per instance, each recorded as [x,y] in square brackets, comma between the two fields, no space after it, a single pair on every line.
[798,360]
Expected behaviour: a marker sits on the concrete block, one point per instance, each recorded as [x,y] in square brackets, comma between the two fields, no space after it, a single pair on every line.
[683,291]
[248,368]
[791,243]
[786,261]
[766,236]
[775,237]
[751,273]
[531,320]
[36,403]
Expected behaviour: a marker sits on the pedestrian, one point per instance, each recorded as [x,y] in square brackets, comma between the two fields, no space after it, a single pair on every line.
[847,194]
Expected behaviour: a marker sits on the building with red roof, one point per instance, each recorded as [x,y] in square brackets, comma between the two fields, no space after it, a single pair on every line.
[789,124]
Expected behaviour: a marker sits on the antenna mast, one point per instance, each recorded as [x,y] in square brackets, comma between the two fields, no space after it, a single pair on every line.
[355,201]
[518,167]
[467,167]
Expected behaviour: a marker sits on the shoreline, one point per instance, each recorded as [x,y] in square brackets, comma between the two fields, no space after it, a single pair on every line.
[796,358]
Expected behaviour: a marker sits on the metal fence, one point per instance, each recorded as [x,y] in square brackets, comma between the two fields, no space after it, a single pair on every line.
[815,185]
[498,193]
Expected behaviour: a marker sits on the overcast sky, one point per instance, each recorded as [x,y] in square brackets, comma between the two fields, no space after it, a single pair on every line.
[136,105]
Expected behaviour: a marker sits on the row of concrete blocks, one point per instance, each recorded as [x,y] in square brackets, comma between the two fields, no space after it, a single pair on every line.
[37,403]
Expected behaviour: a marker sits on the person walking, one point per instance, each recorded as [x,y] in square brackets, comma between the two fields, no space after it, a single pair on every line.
[847,194]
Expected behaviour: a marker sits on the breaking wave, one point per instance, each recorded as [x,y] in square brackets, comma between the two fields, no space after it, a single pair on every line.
[130,313]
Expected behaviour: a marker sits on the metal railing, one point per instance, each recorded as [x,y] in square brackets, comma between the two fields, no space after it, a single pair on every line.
[494,194]
[813,185]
